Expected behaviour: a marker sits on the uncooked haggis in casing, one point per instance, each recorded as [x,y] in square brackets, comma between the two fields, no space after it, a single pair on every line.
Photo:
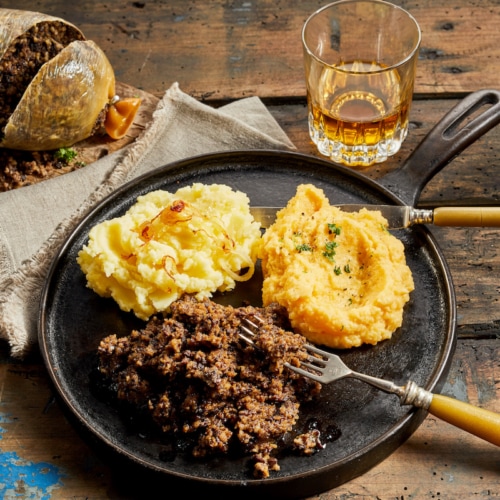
[55,86]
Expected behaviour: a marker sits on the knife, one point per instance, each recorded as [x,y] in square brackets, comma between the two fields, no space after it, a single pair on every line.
[400,217]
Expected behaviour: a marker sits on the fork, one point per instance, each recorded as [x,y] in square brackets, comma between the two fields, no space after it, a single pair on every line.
[326,367]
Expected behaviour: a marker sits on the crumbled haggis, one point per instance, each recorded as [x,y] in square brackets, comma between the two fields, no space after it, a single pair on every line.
[23,168]
[197,378]
[309,442]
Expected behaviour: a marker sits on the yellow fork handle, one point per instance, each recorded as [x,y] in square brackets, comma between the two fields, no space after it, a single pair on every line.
[467,216]
[478,421]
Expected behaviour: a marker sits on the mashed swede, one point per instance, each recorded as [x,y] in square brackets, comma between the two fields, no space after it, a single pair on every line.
[342,276]
[198,240]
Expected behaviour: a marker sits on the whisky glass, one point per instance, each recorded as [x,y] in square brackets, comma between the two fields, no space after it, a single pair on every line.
[360,59]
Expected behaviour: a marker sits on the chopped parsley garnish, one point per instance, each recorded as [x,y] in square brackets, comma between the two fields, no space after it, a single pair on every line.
[65,154]
[334,229]
[304,247]
[330,246]
[329,252]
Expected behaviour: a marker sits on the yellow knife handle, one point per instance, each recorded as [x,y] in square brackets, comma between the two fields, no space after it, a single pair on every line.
[478,421]
[467,216]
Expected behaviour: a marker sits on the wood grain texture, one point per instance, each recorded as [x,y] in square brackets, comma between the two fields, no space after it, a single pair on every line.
[257,45]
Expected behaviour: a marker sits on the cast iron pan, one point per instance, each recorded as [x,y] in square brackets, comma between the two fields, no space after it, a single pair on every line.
[370,424]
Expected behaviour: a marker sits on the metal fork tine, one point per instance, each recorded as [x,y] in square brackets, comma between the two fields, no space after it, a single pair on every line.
[251,323]
[247,338]
[318,363]
[312,348]
[247,332]
[305,373]
[312,366]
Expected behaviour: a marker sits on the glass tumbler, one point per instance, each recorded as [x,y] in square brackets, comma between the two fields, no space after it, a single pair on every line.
[360,59]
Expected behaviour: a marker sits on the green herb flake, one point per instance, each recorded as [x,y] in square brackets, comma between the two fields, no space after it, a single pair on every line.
[347,269]
[304,247]
[337,270]
[65,154]
[334,229]
[329,252]
[331,246]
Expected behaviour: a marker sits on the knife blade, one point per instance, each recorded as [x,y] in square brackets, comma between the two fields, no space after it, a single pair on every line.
[402,216]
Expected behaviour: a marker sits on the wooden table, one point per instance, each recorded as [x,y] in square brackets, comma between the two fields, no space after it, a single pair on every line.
[221,51]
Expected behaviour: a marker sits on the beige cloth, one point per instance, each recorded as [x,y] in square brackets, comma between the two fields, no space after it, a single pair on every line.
[35,220]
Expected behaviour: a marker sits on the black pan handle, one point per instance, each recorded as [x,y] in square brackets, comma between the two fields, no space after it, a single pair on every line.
[457,130]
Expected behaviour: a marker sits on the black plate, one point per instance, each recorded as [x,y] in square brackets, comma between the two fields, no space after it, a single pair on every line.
[372,424]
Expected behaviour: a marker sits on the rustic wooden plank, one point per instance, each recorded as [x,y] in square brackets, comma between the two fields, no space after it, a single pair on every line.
[438,458]
[226,50]
[40,451]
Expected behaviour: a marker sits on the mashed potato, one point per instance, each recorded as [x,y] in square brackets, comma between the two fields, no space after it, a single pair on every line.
[342,276]
[197,240]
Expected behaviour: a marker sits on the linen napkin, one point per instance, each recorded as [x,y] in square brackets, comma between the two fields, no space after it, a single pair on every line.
[36,220]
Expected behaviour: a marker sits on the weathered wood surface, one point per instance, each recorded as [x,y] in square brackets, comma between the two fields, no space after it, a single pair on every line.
[220,51]
[257,46]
